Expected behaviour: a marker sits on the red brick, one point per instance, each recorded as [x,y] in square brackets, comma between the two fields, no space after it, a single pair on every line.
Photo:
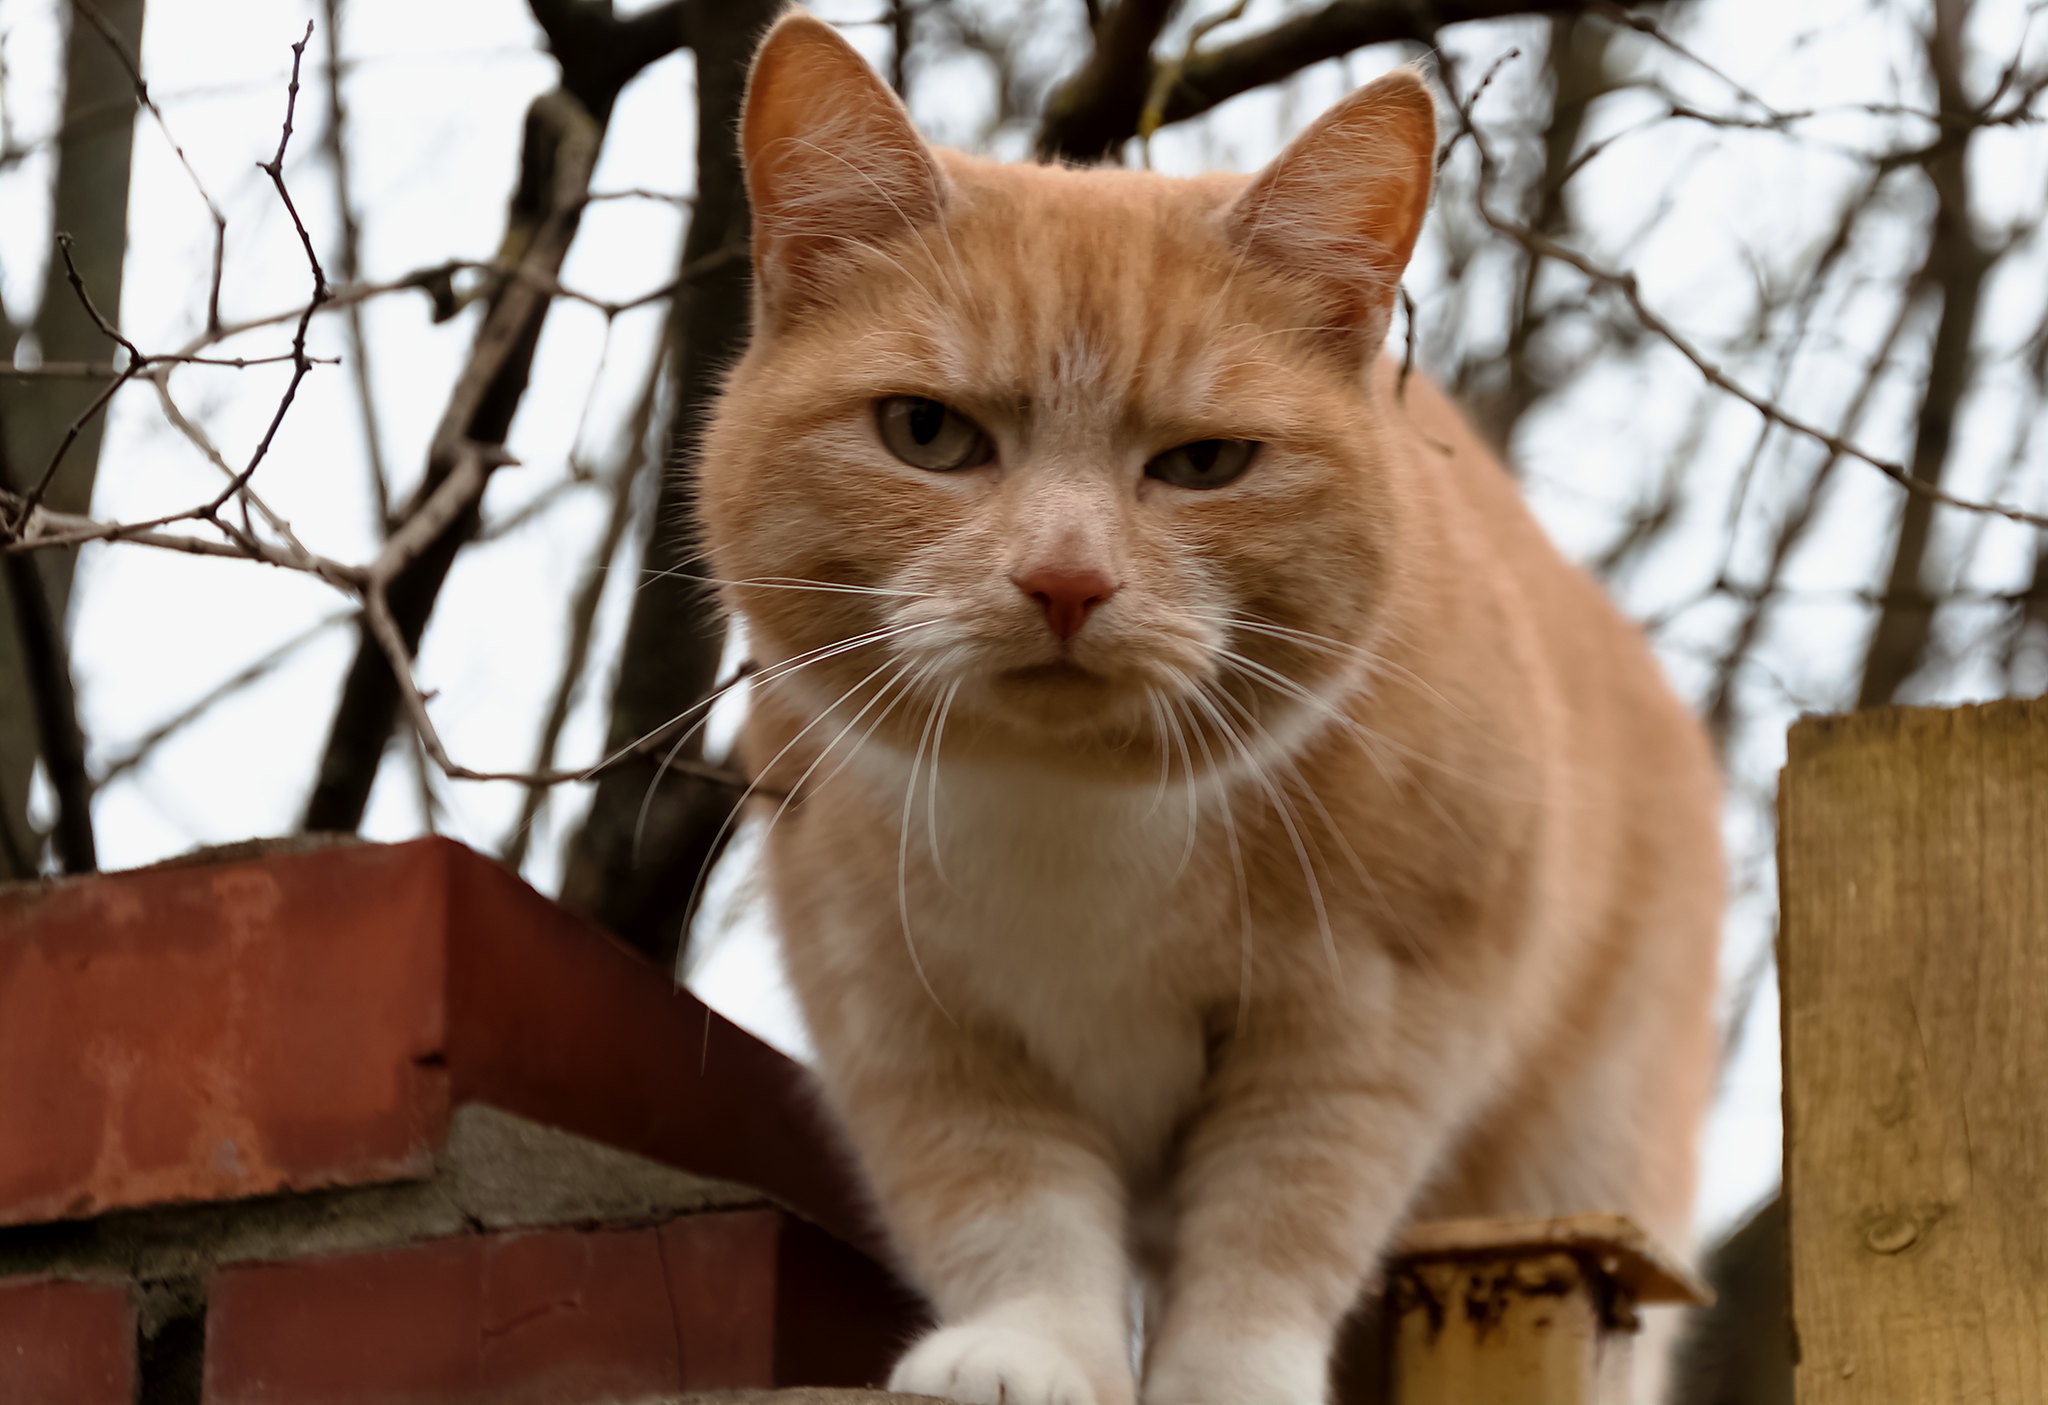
[551,1018]
[513,1320]
[228,1029]
[66,1343]
[722,1288]
[582,1315]
[221,1030]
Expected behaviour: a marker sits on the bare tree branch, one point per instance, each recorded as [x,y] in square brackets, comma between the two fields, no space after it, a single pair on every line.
[562,141]
[1095,111]
[349,267]
[601,53]
[92,151]
[583,610]
[636,877]
[118,44]
[1098,109]
[1624,284]
[47,673]
[1956,268]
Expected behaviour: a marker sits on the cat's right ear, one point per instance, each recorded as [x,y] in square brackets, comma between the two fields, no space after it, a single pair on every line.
[1340,209]
[832,161]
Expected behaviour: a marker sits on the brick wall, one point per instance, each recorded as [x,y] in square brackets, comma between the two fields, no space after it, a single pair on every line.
[378,1124]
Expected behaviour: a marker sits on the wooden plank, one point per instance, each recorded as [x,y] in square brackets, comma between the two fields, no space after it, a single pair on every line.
[1913,848]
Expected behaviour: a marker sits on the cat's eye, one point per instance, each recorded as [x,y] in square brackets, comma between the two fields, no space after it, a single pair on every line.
[930,434]
[1206,463]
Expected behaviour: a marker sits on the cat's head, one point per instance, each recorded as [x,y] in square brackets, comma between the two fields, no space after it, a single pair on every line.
[1084,457]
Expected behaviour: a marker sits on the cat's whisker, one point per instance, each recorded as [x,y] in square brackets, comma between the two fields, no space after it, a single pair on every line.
[1287,817]
[1165,758]
[1369,740]
[822,587]
[739,806]
[797,789]
[773,673]
[873,727]
[779,672]
[650,573]
[790,797]
[931,790]
[1187,766]
[1257,671]
[1375,662]
[903,868]
[1244,897]
[702,704]
[1367,879]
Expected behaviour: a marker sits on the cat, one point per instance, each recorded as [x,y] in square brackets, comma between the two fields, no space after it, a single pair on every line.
[1215,824]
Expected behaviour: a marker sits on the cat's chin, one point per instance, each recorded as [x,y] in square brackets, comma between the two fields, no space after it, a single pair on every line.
[1058,677]
[1061,702]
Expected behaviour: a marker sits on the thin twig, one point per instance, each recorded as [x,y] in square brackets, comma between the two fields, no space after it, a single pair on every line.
[351,271]
[1624,284]
[98,21]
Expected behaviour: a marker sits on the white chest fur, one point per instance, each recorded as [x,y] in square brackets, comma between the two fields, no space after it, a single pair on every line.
[1061,903]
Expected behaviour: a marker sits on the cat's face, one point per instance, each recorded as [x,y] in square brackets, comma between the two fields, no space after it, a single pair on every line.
[1080,457]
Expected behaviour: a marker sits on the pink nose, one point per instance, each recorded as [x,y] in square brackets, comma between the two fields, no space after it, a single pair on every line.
[1067,596]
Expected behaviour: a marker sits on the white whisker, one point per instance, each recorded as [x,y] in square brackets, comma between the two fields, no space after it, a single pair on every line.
[931,790]
[1165,757]
[772,674]
[732,815]
[1244,896]
[903,867]
[1285,813]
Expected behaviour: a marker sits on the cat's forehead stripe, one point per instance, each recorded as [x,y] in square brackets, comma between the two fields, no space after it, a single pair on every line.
[1069,306]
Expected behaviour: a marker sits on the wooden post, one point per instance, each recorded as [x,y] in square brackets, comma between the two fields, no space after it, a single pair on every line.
[1913,953]
[1523,1312]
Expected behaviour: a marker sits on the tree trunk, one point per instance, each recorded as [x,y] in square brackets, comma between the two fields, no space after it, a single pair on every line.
[1957,266]
[558,155]
[637,876]
[599,54]
[91,205]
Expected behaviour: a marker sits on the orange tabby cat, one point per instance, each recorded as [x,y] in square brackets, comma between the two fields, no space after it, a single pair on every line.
[1221,826]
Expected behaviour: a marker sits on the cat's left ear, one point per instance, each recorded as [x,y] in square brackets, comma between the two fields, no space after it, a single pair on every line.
[1339,210]
[833,163]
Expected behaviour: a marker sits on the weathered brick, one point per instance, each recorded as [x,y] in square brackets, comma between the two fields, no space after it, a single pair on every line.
[721,1272]
[513,1317]
[221,1031]
[66,1343]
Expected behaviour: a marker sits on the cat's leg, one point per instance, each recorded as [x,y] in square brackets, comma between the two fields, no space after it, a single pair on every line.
[1290,1183]
[1009,1212]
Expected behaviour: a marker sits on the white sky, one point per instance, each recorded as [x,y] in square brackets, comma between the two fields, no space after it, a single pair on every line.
[436,93]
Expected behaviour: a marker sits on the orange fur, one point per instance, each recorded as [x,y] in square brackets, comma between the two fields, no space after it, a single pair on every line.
[1352,861]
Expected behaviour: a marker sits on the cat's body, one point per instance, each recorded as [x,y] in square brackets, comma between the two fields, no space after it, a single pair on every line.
[1185,881]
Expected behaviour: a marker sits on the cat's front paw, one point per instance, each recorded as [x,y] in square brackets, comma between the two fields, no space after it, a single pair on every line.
[991,1365]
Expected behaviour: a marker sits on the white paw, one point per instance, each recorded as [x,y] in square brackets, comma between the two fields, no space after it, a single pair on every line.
[987,1365]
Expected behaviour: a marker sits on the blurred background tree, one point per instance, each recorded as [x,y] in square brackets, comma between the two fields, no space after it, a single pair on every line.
[1753,296]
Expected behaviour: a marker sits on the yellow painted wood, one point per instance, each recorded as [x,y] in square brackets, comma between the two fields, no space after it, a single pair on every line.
[1616,1244]
[1526,1330]
[1521,1312]
[1913,955]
